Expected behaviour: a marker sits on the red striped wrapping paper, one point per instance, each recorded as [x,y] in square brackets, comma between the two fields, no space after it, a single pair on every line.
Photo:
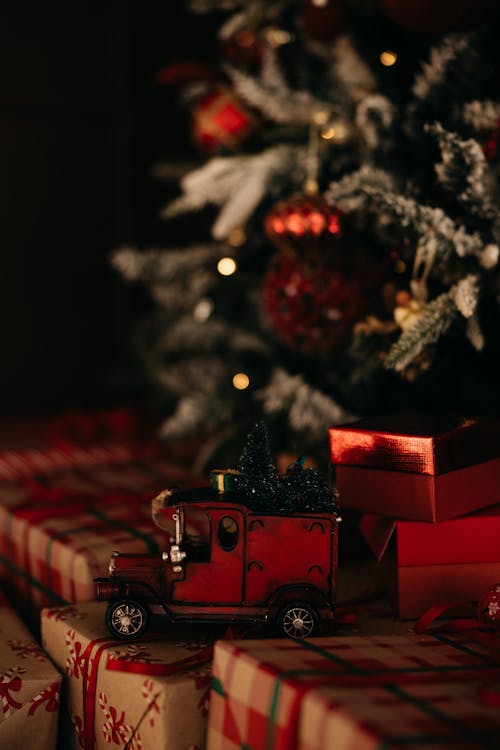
[29,688]
[151,693]
[63,511]
[354,693]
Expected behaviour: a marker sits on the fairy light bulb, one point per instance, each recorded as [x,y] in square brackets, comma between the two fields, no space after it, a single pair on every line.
[328,133]
[203,310]
[236,237]
[227,266]
[388,58]
[241,381]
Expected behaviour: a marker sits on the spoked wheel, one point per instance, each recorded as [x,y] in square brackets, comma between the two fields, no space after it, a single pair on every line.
[127,619]
[298,620]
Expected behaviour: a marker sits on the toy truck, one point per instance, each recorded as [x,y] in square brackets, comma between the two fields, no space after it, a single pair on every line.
[227,561]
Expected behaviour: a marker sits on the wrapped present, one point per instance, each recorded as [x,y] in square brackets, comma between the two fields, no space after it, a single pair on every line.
[63,511]
[394,691]
[424,467]
[143,695]
[29,688]
[426,564]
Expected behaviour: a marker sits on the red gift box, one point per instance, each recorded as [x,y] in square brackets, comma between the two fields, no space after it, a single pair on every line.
[427,564]
[425,467]
[353,693]
[64,510]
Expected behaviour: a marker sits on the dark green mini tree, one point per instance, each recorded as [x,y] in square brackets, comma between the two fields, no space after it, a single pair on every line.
[258,471]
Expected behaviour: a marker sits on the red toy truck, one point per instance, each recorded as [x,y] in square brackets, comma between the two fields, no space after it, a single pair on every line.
[227,561]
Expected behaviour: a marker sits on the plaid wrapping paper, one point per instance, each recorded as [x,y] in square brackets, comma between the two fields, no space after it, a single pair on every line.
[29,688]
[63,511]
[353,693]
[150,694]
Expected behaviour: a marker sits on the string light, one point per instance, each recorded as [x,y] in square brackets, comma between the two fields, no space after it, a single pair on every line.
[321,117]
[236,237]
[277,37]
[227,266]
[328,133]
[388,58]
[241,381]
[203,310]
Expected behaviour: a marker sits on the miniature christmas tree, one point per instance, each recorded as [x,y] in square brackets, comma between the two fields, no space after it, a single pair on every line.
[352,163]
[258,475]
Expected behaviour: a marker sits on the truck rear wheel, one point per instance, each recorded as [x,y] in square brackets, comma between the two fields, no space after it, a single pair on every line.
[298,620]
[127,619]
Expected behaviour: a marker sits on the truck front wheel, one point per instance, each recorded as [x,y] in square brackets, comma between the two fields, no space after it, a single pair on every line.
[298,620]
[127,619]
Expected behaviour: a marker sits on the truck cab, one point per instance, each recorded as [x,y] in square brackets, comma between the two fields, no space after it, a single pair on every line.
[226,561]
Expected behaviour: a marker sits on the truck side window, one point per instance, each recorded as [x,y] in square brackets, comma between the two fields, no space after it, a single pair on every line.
[227,533]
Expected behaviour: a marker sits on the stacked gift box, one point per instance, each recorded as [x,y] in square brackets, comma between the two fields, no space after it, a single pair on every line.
[428,486]
[30,687]
[64,509]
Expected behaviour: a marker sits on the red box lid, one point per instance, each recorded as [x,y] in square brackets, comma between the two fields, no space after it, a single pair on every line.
[470,539]
[423,443]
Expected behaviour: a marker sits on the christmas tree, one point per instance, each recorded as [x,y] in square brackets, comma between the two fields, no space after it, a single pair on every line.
[350,156]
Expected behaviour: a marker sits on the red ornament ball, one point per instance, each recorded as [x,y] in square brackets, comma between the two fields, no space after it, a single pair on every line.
[304,223]
[313,307]
[324,19]
[439,16]
[220,121]
[488,608]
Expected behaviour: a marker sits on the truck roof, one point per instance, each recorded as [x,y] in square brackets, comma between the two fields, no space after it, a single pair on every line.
[314,504]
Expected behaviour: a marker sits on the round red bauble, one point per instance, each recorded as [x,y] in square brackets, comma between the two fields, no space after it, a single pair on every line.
[439,16]
[305,224]
[488,608]
[220,121]
[313,306]
[324,19]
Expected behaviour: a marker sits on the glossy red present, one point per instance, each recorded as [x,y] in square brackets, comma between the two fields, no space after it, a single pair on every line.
[426,467]
[426,564]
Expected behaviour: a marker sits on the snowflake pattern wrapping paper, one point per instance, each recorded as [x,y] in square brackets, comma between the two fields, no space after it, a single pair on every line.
[354,693]
[29,688]
[149,693]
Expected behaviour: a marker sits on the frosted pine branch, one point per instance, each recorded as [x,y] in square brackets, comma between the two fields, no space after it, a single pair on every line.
[482,115]
[433,73]
[463,170]
[465,295]
[350,193]
[161,266]
[237,184]
[438,234]
[272,96]
[474,333]
[309,410]
[350,71]
[194,415]
[433,323]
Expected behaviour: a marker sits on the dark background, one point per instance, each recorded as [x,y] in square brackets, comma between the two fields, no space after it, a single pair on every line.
[81,124]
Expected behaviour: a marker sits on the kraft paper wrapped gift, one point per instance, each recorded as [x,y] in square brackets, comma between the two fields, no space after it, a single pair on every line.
[354,693]
[63,511]
[150,694]
[427,564]
[423,467]
[29,688]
